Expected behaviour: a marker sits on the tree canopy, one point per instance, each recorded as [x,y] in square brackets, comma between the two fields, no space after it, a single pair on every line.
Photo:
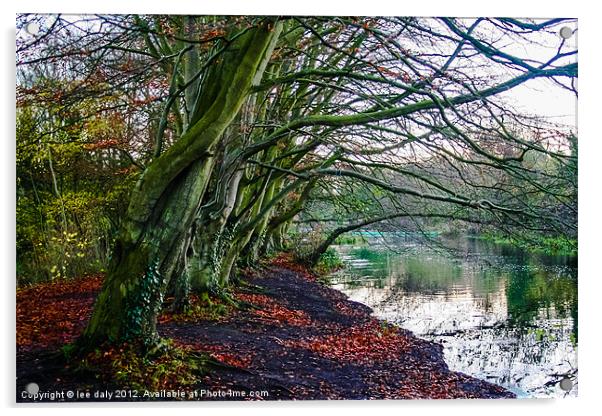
[168,150]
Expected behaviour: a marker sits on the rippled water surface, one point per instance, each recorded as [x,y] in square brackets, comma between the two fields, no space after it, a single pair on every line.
[502,314]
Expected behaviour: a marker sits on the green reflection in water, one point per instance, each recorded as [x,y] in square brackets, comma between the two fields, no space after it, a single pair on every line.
[502,314]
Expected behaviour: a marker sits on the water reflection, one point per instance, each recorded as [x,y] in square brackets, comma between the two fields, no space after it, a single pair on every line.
[503,315]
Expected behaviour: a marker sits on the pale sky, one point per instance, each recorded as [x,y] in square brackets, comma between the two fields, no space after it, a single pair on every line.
[542,96]
[539,97]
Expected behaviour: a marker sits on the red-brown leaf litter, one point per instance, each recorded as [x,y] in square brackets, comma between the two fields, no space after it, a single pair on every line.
[53,314]
[296,339]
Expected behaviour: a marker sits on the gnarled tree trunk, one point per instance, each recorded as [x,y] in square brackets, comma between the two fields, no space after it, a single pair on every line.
[166,199]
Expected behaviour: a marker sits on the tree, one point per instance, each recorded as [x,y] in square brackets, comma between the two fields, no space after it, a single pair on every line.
[251,120]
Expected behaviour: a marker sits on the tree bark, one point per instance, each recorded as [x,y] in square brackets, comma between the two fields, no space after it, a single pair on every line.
[165,201]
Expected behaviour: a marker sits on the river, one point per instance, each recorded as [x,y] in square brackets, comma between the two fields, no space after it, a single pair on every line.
[502,314]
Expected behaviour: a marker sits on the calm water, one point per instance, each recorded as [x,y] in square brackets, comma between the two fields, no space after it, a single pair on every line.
[501,314]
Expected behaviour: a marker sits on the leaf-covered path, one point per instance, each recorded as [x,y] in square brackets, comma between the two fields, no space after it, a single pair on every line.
[303,340]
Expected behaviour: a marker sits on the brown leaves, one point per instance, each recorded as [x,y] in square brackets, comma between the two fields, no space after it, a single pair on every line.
[367,343]
[212,34]
[272,311]
[102,144]
[285,260]
[345,308]
[322,347]
[53,314]
[222,353]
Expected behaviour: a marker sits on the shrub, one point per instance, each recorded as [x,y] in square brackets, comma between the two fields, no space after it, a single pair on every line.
[329,262]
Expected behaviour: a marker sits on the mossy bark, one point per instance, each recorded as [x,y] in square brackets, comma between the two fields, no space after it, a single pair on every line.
[164,203]
[132,295]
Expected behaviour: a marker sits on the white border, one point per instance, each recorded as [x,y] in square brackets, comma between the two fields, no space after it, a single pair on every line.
[518,8]
[590,165]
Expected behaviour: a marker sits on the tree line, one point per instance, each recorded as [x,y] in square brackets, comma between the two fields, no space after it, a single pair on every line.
[172,150]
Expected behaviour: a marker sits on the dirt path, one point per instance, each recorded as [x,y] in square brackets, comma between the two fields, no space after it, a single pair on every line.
[304,341]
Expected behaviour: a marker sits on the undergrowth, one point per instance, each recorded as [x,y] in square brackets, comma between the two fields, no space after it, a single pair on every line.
[167,368]
[200,308]
[329,262]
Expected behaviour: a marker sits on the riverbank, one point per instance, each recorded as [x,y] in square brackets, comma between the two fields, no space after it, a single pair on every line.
[301,340]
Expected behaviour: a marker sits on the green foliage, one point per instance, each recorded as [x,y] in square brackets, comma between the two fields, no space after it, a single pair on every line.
[387,328]
[166,367]
[50,248]
[82,135]
[305,243]
[69,201]
[143,302]
[573,339]
[329,262]
[203,309]
[349,239]
[558,245]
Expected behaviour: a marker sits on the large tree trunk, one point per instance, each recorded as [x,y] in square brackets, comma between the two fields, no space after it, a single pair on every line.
[243,234]
[256,222]
[274,238]
[211,237]
[131,298]
[166,198]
